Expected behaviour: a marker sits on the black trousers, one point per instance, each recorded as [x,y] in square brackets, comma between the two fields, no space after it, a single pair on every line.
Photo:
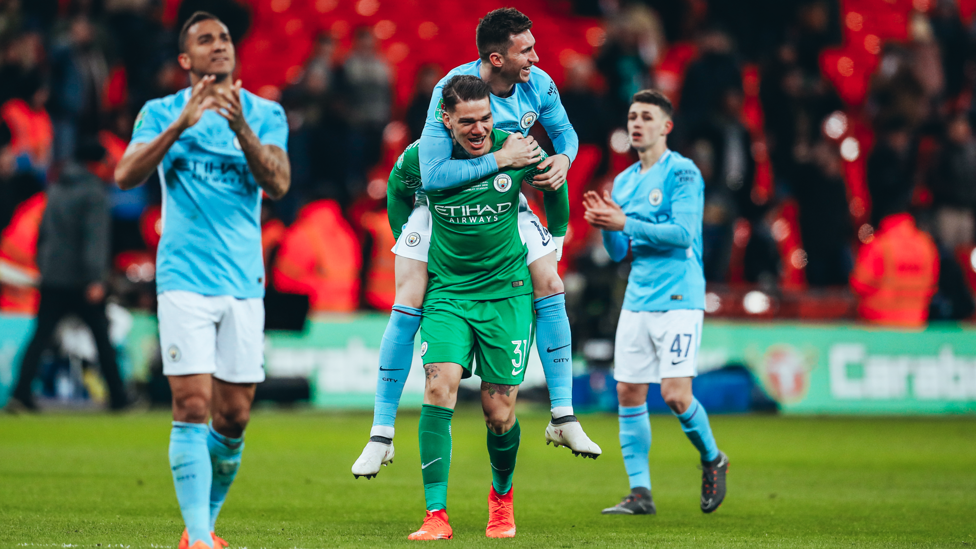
[56,303]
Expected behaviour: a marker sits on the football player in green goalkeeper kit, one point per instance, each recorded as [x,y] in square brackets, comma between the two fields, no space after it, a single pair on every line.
[478,311]
[521,96]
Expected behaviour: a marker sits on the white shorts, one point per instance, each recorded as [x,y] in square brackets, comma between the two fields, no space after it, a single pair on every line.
[219,335]
[651,346]
[414,241]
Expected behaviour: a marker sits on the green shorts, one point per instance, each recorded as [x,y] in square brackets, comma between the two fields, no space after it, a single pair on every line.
[497,334]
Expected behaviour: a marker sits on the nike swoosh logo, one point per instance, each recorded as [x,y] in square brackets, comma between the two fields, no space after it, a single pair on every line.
[518,371]
[382,369]
[426,465]
[673,363]
[550,350]
[706,502]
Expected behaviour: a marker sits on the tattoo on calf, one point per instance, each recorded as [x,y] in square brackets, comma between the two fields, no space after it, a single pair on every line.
[431,370]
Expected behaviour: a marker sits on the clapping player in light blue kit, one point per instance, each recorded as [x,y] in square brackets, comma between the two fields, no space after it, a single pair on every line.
[215,147]
[655,211]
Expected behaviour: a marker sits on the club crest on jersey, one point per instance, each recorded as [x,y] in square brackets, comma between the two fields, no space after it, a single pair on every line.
[413,239]
[528,119]
[655,197]
[503,182]
[423,348]
[174,353]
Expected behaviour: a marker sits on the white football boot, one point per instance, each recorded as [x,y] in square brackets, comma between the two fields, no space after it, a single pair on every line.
[571,435]
[375,455]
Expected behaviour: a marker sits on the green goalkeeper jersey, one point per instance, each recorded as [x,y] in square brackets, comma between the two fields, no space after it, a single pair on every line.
[403,187]
[476,251]
[404,192]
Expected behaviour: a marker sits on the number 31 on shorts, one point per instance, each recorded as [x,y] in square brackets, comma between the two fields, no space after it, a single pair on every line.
[521,352]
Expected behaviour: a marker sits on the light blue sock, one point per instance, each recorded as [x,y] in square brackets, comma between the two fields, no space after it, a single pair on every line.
[189,460]
[635,442]
[694,422]
[396,355]
[554,342]
[225,459]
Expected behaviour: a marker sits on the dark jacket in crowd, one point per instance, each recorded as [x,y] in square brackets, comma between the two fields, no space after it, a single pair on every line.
[73,244]
[954,184]
[890,181]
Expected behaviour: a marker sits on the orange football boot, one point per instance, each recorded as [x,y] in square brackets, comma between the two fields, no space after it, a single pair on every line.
[501,514]
[435,527]
[218,543]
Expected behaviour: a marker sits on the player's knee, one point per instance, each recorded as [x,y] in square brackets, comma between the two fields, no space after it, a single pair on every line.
[410,291]
[676,399]
[231,422]
[500,420]
[191,408]
[548,284]
[629,394]
[439,395]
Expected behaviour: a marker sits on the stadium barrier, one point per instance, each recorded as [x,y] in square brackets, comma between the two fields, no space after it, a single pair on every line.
[805,368]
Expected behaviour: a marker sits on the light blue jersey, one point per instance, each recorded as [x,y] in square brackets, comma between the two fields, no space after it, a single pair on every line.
[211,240]
[537,99]
[664,209]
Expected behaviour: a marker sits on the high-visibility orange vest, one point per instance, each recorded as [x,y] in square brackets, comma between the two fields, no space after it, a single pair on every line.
[380,274]
[32,131]
[896,274]
[18,253]
[320,256]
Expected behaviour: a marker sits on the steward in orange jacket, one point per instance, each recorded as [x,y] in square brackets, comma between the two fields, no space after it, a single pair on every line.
[18,257]
[380,276]
[320,256]
[896,274]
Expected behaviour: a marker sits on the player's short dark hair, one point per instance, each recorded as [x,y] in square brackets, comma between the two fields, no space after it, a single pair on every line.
[654,97]
[464,87]
[495,30]
[193,20]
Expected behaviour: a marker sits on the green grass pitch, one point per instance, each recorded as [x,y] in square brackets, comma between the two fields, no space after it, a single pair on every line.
[78,480]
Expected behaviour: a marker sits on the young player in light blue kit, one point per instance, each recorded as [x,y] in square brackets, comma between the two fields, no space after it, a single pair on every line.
[655,212]
[215,147]
[521,95]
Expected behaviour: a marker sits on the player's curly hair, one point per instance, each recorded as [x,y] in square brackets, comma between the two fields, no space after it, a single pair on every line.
[655,97]
[495,30]
[464,87]
[193,20]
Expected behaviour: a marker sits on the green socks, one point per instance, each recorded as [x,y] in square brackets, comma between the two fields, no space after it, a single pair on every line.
[435,453]
[502,450]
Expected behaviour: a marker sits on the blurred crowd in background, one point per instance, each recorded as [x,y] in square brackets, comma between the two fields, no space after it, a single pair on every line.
[810,121]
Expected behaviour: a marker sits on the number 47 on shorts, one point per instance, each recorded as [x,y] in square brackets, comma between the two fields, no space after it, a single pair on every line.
[681,352]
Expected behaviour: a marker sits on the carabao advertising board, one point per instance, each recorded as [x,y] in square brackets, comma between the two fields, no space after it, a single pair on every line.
[807,368]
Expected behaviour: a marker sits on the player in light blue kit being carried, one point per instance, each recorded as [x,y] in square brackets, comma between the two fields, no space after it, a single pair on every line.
[215,147]
[655,212]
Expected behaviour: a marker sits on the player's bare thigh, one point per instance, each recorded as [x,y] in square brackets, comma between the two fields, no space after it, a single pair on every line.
[545,276]
[441,385]
[411,281]
[197,396]
[498,404]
